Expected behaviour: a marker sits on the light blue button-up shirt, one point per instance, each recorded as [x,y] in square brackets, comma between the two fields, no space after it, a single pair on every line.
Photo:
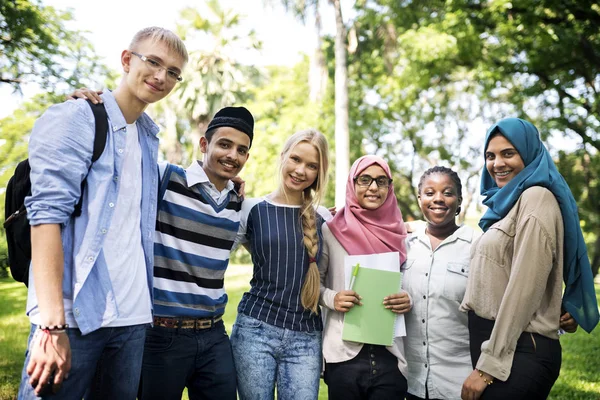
[60,154]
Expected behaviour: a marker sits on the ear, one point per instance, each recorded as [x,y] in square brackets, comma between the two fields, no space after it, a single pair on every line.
[419,200]
[126,60]
[458,210]
[203,145]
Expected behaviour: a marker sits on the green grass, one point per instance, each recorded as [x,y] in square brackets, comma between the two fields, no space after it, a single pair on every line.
[579,378]
[14,330]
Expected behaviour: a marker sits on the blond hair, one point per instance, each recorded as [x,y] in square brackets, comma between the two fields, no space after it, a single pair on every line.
[311,198]
[157,34]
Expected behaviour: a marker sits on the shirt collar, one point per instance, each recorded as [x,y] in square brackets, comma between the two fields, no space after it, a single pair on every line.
[117,120]
[462,233]
[195,174]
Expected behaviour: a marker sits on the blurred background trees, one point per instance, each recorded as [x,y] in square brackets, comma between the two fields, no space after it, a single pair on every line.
[423,80]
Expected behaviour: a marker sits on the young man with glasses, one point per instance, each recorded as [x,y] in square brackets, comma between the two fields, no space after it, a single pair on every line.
[90,300]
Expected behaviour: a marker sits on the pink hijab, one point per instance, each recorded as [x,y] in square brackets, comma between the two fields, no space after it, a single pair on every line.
[362,231]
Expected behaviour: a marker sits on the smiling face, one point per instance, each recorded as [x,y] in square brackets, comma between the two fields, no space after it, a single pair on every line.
[225,155]
[439,199]
[145,84]
[371,197]
[300,168]
[502,160]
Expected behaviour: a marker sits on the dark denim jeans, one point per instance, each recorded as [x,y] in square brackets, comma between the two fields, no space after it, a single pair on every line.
[105,364]
[266,355]
[200,360]
[373,374]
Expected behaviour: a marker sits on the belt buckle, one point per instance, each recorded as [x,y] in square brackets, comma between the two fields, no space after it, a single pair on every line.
[203,323]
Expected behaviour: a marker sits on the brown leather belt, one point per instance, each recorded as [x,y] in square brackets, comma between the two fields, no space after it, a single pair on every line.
[186,323]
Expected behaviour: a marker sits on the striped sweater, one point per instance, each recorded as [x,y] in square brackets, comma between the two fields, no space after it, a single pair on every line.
[193,240]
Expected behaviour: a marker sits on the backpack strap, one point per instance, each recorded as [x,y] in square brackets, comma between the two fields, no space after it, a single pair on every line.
[101,121]
[101,124]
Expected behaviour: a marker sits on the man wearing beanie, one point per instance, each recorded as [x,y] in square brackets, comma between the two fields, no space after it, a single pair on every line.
[196,226]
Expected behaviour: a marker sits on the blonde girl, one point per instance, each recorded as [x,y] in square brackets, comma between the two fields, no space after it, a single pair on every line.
[276,339]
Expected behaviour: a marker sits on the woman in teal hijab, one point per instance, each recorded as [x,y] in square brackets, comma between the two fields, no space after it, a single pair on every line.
[531,240]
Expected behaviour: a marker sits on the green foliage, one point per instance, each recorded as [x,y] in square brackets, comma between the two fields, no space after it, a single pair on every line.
[36,46]
[280,108]
[424,74]
[214,78]
[582,169]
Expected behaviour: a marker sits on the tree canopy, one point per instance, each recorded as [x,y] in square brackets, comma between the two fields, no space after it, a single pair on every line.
[37,47]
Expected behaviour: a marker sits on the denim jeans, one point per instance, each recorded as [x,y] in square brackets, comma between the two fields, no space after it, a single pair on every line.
[105,364]
[372,374]
[200,360]
[266,355]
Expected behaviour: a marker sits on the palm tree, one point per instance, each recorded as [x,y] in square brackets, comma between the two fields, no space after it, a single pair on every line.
[213,79]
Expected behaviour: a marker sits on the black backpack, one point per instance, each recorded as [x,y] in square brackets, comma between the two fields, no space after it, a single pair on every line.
[16,224]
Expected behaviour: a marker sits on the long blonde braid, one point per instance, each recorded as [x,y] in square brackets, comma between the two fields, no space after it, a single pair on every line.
[312,282]
[312,195]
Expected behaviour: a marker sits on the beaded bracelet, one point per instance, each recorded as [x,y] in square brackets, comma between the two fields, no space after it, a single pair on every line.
[53,328]
[489,382]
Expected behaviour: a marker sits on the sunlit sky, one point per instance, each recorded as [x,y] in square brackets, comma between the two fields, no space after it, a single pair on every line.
[112,23]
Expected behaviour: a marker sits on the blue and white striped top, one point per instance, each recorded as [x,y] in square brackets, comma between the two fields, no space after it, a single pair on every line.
[193,241]
[274,233]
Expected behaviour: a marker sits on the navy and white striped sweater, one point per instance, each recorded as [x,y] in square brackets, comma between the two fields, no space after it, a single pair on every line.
[193,241]
[274,233]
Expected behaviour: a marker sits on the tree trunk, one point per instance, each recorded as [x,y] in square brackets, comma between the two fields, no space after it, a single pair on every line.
[342,146]
[170,141]
[317,76]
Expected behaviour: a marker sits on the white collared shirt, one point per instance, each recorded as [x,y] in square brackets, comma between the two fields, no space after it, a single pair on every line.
[437,340]
[195,175]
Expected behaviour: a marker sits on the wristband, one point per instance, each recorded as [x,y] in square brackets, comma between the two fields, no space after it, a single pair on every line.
[53,328]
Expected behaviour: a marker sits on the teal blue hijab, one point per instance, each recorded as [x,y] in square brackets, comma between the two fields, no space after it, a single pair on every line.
[579,298]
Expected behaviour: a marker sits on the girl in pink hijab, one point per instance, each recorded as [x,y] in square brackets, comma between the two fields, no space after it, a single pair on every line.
[369,223]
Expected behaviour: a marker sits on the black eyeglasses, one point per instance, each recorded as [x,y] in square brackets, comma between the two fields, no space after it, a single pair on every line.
[154,65]
[367,180]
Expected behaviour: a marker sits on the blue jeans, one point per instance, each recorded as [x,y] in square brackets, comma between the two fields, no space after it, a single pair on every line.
[200,360]
[105,364]
[266,355]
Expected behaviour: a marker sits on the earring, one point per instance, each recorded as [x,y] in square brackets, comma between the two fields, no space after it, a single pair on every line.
[458,210]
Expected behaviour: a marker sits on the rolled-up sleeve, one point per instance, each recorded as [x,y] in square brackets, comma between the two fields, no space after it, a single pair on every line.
[60,154]
[524,294]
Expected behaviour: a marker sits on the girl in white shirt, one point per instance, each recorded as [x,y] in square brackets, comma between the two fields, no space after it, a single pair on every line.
[437,338]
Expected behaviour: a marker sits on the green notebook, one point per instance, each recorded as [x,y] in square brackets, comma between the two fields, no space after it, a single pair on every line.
[372,323]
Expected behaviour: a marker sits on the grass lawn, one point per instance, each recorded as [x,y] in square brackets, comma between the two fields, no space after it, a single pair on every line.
[579,377]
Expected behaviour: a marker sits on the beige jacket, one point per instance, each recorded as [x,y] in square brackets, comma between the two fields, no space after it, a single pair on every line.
[331,268]
[515,277]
